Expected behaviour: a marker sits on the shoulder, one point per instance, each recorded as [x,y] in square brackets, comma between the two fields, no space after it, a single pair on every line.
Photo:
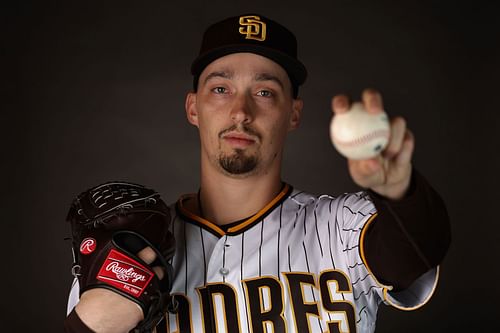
[354,202]
[346,208]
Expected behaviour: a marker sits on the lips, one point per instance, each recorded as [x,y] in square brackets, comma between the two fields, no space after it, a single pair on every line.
[239,140]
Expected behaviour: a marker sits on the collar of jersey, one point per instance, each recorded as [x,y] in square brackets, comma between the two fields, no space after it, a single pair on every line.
[239,227]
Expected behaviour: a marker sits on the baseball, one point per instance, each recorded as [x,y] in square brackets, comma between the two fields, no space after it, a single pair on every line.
[357,134]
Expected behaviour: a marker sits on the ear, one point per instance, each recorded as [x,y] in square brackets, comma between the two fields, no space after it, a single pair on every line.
[297,106]
[191,111]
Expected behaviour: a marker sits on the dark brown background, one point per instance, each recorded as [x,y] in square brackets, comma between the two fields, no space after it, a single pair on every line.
[94,91]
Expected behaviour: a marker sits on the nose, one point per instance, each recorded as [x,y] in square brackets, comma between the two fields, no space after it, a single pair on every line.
[241,111]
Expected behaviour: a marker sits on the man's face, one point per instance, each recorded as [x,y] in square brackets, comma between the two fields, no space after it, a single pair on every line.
[243,109]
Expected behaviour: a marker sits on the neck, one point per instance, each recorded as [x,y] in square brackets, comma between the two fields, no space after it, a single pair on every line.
[226,199]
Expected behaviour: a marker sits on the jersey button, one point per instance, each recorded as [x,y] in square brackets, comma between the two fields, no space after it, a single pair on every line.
[224,271]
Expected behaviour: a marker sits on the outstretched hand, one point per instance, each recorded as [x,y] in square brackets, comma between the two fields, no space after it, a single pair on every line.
[389,173]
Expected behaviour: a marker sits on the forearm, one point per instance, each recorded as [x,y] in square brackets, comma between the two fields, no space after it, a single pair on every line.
[103,311]
[409,236]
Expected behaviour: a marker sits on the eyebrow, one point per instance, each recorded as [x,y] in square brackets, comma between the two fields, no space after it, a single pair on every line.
[222,74]
[226,74]
[269,77]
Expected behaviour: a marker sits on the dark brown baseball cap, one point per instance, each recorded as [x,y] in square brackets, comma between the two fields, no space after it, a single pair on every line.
[255,34]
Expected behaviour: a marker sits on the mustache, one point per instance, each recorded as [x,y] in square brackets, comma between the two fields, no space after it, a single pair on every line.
[242,129]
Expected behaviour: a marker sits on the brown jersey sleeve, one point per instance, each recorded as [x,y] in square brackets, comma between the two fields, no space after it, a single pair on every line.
[409,236]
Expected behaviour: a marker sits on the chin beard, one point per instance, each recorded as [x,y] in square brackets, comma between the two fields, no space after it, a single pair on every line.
[238,163]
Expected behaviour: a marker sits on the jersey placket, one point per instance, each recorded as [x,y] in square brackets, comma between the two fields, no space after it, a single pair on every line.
[215,267]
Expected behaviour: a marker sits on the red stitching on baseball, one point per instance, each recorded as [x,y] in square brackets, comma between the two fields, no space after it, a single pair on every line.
[365,138]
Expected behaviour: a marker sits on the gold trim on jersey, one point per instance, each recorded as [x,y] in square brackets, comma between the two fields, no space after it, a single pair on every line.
[242,225]
[388,300]
[388,288]
[362,252]
[183,210]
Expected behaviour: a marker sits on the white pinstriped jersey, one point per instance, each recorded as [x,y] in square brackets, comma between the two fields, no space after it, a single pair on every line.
[295,266]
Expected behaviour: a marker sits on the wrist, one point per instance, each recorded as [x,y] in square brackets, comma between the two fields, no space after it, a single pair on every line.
[397,190]
[105,311]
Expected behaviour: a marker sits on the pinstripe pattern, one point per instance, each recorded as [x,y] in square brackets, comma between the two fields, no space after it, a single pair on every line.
[242,255]
[278,244]
[302,235]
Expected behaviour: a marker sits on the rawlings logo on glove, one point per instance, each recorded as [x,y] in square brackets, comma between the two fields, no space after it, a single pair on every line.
[124,273]
[88,246]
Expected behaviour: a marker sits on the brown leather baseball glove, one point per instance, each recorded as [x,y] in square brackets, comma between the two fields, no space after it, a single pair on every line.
[110,224]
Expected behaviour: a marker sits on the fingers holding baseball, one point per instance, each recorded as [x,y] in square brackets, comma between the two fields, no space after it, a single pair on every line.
[367,173]
[401,143]
[387,176]
[378,150]
[372,101]
[340,104]
[362,130]
[396,137]
[405,154]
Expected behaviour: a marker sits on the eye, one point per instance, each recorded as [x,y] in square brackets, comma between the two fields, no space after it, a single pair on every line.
[264,93]
[219,90]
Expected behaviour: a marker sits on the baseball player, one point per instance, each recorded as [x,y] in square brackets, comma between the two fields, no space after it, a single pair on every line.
[255,254]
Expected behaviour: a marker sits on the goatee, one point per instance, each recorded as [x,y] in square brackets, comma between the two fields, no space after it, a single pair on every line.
[238,163]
